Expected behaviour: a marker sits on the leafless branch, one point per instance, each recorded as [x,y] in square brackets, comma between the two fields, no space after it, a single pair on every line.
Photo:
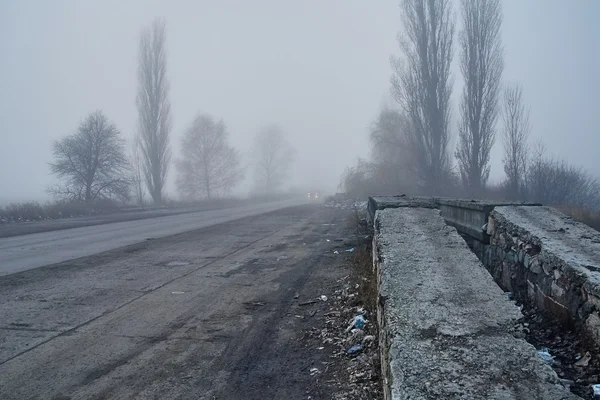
[515,139]
[481,64]
[154,108]
[273,158]
[422,84]
[91,162]
[209,165]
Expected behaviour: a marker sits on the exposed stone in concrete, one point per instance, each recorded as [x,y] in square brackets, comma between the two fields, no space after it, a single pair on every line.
[559,256]
[445,326]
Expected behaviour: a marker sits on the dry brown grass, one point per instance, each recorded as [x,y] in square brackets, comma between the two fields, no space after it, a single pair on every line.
[586,216]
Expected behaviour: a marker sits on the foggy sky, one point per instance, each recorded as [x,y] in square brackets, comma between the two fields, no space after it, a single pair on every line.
[319,69]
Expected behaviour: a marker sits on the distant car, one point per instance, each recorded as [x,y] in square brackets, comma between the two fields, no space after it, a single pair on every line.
[313,195]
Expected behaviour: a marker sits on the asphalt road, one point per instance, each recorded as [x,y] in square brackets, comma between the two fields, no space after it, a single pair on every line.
[20,253]
[209,314]
[26,228]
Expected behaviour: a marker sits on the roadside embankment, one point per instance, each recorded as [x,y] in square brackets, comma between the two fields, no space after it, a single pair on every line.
[446,329]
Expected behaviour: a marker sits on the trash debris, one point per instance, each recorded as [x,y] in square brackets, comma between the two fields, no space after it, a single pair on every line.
[585,360]
[323,297]
[355,349]
[545,355]
[350,250]
[368,339]
[596,389]
[362,311]
[336,252]
[177,292]
[328,240]
[314,371]
[308,302]
[356,335]
[296,295]
[320,348]
[358,322]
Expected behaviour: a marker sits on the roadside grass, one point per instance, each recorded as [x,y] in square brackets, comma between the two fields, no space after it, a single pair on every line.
[589,217]
[34,211]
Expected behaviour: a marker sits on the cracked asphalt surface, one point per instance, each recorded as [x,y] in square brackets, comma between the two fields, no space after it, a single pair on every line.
[209,314]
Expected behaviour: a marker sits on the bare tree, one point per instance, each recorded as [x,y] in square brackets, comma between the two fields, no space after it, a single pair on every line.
[516,135]
[91,162]
[209,165]
[554,182]
[392,155]
[422,84]
[154,108]
[481,64]
[137,173]
[273,159]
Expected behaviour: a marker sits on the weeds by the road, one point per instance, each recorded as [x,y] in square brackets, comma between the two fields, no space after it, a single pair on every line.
[589,217]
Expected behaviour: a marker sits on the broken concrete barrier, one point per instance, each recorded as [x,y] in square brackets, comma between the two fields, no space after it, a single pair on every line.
[446,329]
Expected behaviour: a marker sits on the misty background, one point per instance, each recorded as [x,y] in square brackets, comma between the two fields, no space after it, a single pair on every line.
[318,69]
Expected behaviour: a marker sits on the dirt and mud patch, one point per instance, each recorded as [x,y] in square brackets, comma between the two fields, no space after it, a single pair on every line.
[344,329]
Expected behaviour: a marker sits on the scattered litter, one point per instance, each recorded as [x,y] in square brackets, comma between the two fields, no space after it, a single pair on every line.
[596,389]
[177,292]
[296,295]
[308,302]
[320,348]
[299,316]
[328,240]
[355,349]
[545,355]
[358,322]
[368,339]
[336,252]
[585,360]
[350,250]
[357,335]
[323,298]
[362,311]
[314,371]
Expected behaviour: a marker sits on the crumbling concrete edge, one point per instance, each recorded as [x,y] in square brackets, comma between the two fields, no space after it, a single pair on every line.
[574,294]
[393,390]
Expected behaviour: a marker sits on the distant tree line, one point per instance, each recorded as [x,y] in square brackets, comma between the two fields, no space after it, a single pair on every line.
[410,143]
[93,163]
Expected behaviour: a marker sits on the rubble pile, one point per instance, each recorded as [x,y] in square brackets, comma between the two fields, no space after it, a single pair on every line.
[350,336]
